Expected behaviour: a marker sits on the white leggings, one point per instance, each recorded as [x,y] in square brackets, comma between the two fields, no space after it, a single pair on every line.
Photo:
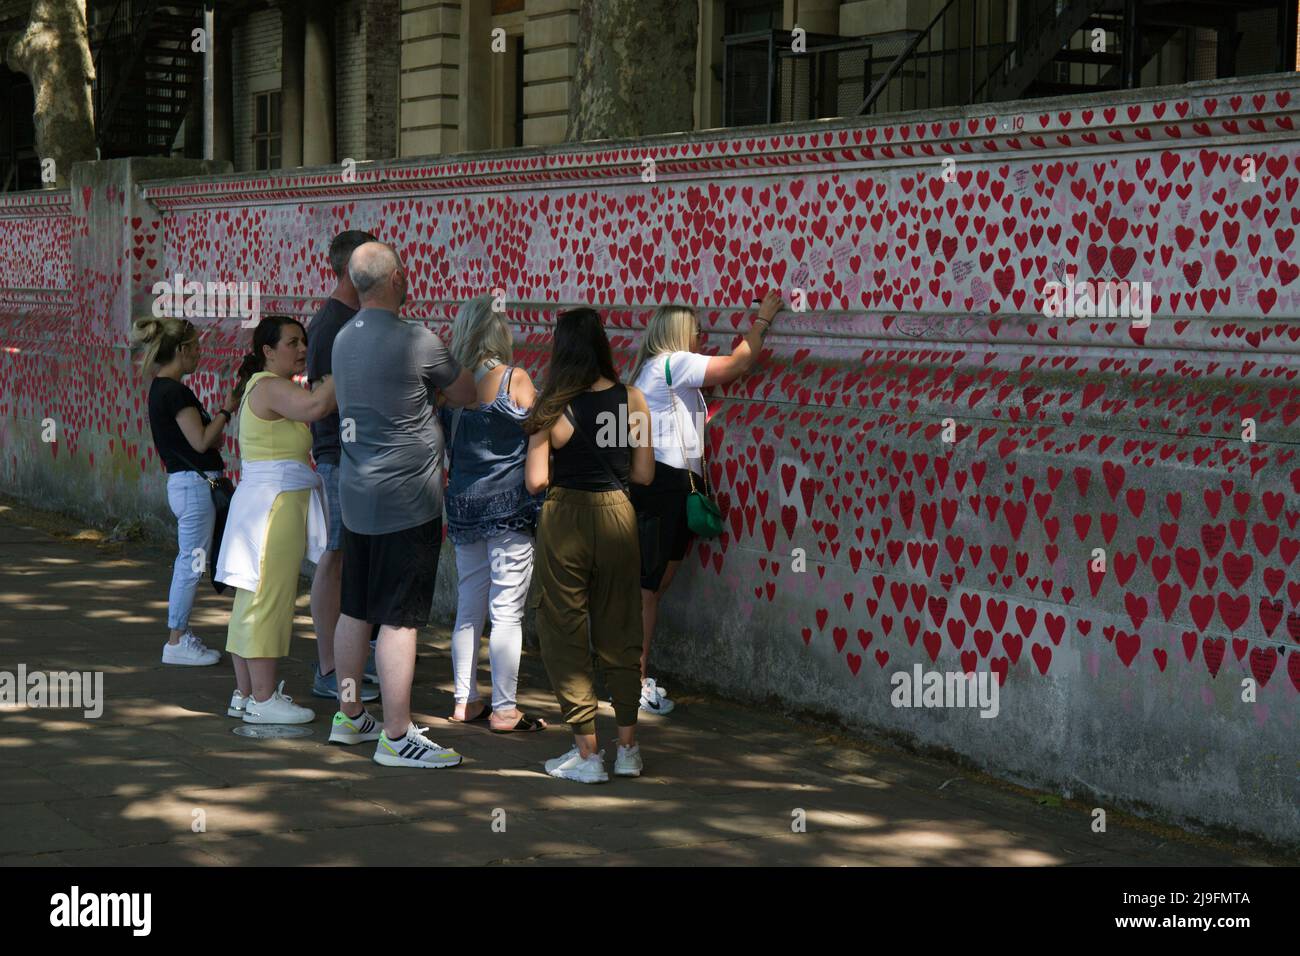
[494,576]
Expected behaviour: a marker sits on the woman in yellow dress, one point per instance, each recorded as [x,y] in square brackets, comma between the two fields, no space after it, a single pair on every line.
[276,517]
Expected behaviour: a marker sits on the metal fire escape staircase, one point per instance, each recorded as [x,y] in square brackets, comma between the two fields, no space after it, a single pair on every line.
[976,51]
[147,74]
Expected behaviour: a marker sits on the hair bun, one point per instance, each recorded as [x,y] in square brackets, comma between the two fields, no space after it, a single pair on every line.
[148,329]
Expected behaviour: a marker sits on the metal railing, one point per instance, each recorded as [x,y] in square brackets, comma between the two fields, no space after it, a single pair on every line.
[948,63]
[1044,30]
[766,81]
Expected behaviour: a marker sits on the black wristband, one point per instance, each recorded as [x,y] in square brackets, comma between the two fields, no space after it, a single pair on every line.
[229,417]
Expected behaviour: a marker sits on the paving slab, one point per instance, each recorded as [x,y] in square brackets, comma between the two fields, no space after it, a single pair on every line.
[724,783]
[36,827]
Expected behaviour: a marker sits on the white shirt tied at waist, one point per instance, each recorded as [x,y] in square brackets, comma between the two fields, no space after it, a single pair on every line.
[240,560]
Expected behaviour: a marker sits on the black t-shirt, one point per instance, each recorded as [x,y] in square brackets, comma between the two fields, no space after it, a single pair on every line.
[166,399]
[321,331]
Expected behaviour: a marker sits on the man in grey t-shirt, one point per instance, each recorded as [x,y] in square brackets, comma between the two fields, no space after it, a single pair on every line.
[386,369]
[386,376]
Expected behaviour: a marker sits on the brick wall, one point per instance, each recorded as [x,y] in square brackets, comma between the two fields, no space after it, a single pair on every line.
[383,61]
[366,51]
[350,71]
[255,64]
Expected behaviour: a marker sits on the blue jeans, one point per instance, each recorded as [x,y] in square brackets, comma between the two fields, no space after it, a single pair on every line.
[190,499]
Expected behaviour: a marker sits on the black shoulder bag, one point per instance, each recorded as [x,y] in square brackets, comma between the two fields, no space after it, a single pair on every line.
[647,525]
[223,489]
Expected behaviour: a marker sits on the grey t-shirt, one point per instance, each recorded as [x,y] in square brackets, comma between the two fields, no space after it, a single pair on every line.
[385,372]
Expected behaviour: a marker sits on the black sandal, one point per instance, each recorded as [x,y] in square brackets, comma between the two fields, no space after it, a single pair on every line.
[525,725]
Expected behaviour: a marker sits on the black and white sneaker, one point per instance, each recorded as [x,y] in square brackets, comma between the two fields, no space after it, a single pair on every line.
[653,698]
[414,750]
[354,730]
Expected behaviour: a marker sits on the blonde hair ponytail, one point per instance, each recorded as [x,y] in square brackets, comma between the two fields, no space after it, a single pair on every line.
[160,338]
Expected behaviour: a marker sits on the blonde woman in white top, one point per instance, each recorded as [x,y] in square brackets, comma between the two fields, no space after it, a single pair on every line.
[669,352]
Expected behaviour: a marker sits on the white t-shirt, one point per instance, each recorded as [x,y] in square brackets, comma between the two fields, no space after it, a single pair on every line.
[676,422]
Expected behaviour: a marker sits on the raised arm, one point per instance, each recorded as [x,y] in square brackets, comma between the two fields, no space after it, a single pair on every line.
[191,425]
[202,438]
[727,368]
[284,398]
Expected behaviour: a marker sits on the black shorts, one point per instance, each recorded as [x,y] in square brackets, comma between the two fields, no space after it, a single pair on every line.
[665,497]
[389,578]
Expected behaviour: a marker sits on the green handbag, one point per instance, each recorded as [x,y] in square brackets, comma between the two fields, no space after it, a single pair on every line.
[703,516]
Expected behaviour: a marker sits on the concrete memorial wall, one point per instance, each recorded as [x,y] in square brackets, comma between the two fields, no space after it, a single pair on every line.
[933,465]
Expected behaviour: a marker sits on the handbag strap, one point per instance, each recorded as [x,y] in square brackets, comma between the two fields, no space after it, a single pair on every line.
[212,482]
[484,368]
[189,463]
[609,470]
[681,438]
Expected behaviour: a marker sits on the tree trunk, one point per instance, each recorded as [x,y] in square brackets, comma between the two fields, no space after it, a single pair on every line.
[636,68]
[54,52]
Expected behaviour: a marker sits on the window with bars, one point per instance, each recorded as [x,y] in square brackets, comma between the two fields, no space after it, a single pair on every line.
[266,131]
[749,64]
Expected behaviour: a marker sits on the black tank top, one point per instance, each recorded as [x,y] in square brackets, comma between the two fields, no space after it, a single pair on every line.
[602,416]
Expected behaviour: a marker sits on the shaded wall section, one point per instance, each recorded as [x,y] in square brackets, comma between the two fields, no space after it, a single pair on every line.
[1170,680]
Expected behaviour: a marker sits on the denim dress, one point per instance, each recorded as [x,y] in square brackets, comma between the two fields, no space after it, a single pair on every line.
[486,494]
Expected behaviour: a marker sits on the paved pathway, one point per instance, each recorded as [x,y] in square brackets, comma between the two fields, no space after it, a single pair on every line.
[722,781]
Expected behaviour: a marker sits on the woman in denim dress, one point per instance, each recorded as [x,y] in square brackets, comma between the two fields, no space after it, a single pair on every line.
[490,518]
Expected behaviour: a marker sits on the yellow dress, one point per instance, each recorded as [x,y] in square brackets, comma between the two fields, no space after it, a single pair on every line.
[261,622]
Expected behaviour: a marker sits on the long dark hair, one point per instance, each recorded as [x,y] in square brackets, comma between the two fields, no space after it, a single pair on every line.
[268,332]
[580,354]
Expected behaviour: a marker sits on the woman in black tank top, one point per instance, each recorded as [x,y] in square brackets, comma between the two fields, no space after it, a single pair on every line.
[573,465]
[589,436]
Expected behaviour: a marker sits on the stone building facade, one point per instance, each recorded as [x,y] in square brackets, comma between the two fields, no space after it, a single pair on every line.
[433,77]
[317,82]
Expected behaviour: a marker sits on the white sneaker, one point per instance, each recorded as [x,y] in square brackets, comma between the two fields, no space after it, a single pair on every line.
[238,704]
[190,652]
[354,730]
[414,750]
[653,699]
[628,763]
[279,709]
[572,766]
